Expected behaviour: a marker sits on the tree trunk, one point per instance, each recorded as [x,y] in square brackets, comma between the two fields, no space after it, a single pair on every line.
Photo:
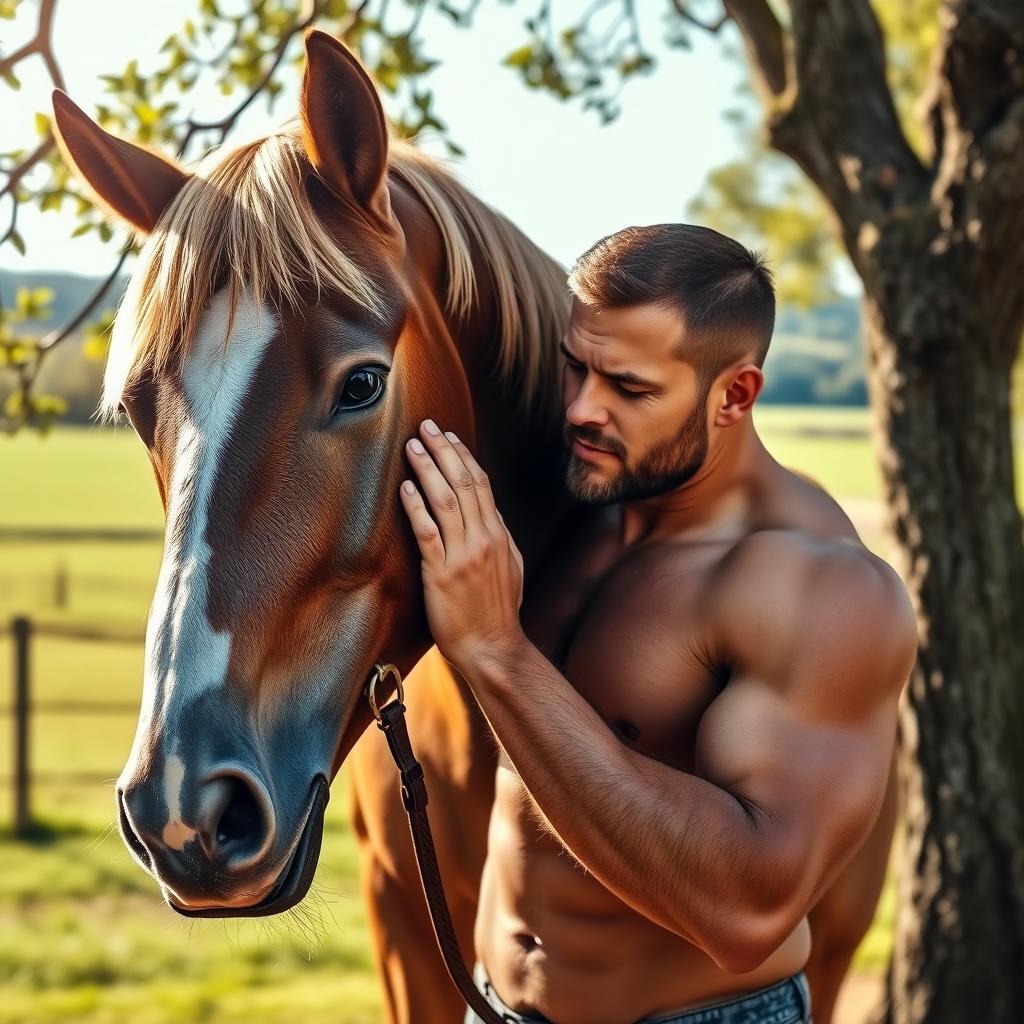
[944,436]
[936,239]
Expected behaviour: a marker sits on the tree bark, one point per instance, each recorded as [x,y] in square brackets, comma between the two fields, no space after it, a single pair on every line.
[944,438]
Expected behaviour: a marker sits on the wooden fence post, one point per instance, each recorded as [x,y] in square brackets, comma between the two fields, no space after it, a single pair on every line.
[21,629]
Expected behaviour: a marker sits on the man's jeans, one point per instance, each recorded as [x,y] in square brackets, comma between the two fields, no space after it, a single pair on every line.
[786,1002]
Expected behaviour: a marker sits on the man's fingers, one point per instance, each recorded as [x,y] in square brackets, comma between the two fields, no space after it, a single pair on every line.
[442,501]
[428,536]
[489,515]
[455,472]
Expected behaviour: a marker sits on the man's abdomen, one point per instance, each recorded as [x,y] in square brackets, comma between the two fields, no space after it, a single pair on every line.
[554,941]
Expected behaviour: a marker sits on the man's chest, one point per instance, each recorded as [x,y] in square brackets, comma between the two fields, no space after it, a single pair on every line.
[629,633]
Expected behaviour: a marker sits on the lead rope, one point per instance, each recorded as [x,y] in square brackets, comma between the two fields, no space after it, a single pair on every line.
[391,720]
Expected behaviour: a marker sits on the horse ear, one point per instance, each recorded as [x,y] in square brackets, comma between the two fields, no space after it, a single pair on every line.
[132,182]
[346,134]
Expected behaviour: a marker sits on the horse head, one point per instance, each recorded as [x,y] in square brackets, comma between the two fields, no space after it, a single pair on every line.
[299,304]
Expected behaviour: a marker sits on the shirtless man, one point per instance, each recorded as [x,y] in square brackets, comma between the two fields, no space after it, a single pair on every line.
[697,714]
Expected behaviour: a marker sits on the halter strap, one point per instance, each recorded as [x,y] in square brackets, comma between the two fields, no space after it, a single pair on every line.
[391,720]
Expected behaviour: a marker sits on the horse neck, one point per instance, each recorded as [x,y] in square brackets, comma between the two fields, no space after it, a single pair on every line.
[523,452]
[523,456]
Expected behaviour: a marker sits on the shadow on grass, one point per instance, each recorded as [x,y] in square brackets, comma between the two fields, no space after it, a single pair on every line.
[45,832]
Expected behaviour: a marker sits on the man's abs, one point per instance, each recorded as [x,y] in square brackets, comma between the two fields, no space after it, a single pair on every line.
[554,941]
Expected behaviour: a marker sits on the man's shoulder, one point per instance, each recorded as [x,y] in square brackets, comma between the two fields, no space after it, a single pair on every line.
[783,555]
[780,590]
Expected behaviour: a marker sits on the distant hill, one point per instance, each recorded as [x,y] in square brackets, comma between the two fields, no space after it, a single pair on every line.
[816,356]
[70,292]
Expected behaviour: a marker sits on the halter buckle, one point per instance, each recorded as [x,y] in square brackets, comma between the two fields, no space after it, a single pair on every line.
[379,673]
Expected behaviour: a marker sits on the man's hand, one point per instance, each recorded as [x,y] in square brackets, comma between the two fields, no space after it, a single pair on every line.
[472,569]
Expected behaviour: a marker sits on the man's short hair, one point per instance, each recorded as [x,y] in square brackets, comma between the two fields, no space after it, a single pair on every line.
[721,290]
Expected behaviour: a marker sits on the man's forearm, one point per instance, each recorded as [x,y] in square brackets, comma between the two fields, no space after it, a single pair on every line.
[676,848]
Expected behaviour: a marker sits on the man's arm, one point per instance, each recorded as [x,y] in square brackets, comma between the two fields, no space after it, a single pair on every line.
[791,759]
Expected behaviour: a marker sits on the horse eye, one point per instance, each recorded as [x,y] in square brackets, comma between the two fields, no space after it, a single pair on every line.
[362,388]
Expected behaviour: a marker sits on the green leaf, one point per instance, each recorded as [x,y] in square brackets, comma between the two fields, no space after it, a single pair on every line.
[387,77]
[96,346]
[519,58]
[13,405]
[42,125]
[11,79]
[49,405]
[131,76]
[146,114]
[17,241]
[82,229]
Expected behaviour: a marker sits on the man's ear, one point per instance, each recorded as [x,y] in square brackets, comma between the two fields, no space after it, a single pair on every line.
[131,182]
[742,386]
[346,133]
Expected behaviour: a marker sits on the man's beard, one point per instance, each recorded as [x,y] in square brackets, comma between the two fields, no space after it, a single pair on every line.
[666,466]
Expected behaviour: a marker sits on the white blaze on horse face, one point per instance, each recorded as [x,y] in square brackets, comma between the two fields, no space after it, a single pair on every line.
[185,655]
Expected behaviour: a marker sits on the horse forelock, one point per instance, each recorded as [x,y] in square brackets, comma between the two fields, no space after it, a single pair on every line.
[246,221]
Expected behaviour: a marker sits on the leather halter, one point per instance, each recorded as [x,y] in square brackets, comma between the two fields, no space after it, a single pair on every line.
[391,720]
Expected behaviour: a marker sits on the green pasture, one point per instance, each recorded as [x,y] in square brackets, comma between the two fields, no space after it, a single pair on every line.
[83,934]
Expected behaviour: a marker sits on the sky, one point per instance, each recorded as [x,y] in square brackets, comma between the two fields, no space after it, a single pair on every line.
[559,174]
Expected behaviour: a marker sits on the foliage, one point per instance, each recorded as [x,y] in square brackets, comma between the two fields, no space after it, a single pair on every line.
[19,354]
[761,199]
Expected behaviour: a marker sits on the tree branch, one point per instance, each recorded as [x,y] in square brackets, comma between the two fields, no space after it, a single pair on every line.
[310,12]
[765,42]
[714,27]
[20,170]
[972,101]
[40,43]
[54,338]
[979,71]
[840,124]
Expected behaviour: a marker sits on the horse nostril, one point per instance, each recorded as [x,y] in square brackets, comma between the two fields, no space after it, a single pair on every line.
[239,821]
[241,818]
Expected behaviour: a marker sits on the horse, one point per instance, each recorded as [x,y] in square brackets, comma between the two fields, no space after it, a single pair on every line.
[299,304]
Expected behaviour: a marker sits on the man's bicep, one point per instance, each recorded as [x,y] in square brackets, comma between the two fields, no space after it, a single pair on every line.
[811,788]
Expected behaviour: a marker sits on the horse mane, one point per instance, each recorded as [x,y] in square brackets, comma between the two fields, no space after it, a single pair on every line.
[244,219]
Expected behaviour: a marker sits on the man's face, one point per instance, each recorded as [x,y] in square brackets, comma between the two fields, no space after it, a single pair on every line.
[626,394]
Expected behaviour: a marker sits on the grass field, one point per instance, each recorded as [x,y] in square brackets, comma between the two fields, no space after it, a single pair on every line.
[83,935]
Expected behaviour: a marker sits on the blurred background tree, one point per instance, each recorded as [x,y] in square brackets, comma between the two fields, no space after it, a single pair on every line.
[891,140]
